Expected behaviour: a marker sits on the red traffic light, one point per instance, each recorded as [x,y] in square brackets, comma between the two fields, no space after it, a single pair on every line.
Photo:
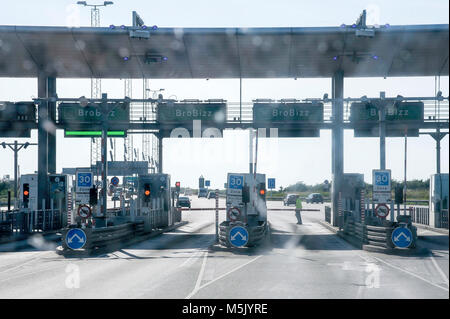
[177,184]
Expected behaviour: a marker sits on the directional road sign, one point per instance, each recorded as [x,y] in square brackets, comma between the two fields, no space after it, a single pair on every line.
[207,183]
[402,237]
[271,183]
[115,181]
[75,238]
[238,236]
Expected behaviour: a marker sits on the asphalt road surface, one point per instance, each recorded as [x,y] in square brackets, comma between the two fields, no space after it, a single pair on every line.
[299,261]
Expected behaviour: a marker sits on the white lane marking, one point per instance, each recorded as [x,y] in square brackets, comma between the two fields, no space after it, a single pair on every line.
[191,259]
[31,273]
[224,275]
[199,278]
[410,273]
[20,265]
[439,269]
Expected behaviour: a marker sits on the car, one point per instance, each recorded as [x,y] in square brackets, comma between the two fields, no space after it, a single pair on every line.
[314,198]
[202,192]
[290,199]
[211,195]
[115,197]
[184,202]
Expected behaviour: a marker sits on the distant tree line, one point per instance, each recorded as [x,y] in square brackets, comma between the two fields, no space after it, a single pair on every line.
[301,187]
[4,187]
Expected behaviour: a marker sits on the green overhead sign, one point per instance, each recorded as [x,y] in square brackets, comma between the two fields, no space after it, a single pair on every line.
[287,113]
[75,114]
[401,118]
[179,113]
[399,111]
[69,133]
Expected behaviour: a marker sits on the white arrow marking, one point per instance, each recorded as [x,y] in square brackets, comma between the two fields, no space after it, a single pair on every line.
[239,233]
[80,240]
[402,234]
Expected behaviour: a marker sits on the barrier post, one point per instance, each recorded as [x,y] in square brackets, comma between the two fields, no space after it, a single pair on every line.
[217,215]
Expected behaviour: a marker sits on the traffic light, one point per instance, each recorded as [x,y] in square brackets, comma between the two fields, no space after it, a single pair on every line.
[147,192]
[26,195]
[245,194]
[262,190]
[177,186]
[398,194]
[93,198]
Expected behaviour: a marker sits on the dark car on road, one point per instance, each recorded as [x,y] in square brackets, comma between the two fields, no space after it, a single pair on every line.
[290,199]
[314,198]
[184,202]
[202,192]
[211,195]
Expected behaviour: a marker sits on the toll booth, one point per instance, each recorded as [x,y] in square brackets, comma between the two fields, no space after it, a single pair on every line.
[154,201]
[60,187]
[351,195]
[28,190]
[438,202]
[246,206]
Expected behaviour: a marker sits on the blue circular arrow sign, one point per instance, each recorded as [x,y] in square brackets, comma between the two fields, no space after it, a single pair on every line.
[238,236]
[402,237]
[75,238]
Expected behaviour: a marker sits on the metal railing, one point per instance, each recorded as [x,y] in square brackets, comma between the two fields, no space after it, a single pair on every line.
[444,218]
[432,112]
[27,221]
[420,215]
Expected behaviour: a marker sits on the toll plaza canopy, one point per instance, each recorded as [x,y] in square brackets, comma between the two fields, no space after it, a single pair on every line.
[413,50]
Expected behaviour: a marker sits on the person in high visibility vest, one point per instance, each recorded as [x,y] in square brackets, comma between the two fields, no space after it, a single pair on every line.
[298,208]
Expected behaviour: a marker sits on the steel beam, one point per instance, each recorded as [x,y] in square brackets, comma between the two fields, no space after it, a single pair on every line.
[337,143]
[51,92]
[42,141]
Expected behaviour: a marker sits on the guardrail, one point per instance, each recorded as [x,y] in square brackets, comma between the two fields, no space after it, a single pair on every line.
[26,222]
[100,237]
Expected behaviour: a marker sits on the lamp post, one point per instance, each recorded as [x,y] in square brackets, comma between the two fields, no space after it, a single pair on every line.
[16,147]
[96,85]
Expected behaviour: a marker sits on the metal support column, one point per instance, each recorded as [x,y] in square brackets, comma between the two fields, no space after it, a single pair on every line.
[337,143]
[382,131]
[438,136]
[51,93]
[42,142]
[104,157]
[16,168]
[160,153]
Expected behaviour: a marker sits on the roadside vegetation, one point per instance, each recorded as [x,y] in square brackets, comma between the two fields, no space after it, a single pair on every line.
[416,190]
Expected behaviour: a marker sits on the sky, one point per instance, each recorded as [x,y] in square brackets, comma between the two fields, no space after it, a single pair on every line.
[289,160]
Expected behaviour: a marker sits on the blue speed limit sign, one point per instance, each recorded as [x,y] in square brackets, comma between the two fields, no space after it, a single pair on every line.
[236,181]
[84,181]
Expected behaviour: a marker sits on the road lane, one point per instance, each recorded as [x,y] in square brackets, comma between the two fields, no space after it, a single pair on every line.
[299,261]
